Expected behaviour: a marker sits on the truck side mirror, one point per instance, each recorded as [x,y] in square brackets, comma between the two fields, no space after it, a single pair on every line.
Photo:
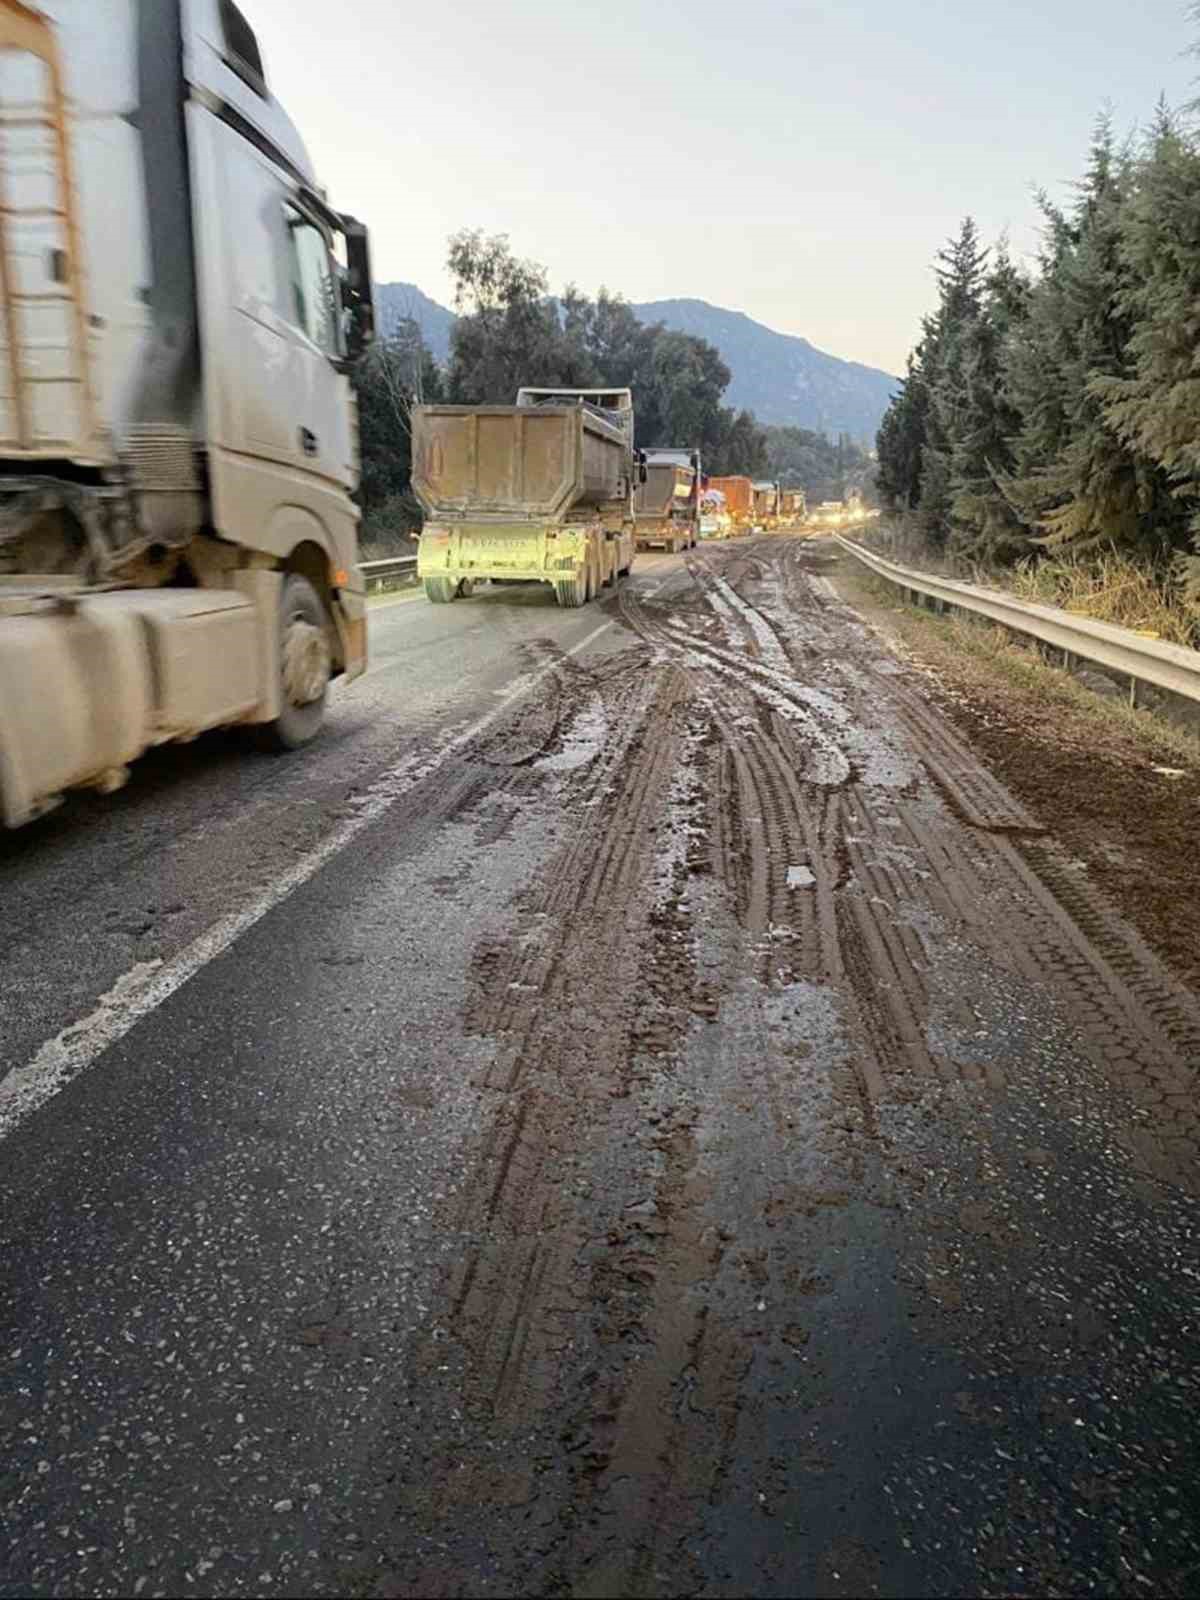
[696,460]
[642,474]
[357,290]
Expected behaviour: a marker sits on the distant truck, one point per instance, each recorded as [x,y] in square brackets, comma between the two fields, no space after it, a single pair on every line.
[765,503]
[539,492]
[739,502]
[178,450]
[793,506]
[666,506]
[830,513]
[714,519]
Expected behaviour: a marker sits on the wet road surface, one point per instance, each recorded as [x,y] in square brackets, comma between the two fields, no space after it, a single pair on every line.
[685,1129]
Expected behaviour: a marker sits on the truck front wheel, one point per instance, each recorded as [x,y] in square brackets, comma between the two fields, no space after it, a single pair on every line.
[571,591]
[305,666]
[440,590]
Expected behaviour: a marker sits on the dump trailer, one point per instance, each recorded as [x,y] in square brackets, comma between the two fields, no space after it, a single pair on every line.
[182,306]
[666,506]
[539,492]
[793,506]
[739,502]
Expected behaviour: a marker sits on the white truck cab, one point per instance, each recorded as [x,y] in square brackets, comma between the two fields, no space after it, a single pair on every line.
[178,450]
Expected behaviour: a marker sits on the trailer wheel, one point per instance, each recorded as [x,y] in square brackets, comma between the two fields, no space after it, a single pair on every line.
[571,592]
[440,590]
[305,667]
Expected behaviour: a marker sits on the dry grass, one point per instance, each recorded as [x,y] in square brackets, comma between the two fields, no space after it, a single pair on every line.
[1109,587]
[1105,585]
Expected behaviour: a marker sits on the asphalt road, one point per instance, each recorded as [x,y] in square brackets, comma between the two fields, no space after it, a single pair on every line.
[638,1109]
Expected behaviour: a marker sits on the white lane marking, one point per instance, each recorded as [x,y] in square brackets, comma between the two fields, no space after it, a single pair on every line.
[143,989]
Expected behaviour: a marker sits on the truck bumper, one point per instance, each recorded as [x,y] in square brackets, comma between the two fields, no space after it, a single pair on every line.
[520,554]
[664,535]
[89,683]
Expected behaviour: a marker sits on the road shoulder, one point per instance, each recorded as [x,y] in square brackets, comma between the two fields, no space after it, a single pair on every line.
[1085,765]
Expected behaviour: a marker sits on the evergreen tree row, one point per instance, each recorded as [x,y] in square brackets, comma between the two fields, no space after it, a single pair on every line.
[1059,407]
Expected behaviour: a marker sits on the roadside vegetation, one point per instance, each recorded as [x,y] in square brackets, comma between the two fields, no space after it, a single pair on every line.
[1049,422]
[1110,587]
[1106,584]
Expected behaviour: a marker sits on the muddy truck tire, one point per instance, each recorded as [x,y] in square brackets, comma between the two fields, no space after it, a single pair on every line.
[305,667]
[440,590]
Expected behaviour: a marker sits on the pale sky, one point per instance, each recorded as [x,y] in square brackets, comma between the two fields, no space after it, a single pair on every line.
[801,163]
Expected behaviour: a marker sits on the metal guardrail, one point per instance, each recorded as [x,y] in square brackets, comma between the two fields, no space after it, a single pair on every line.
[1172,667]
[379,573]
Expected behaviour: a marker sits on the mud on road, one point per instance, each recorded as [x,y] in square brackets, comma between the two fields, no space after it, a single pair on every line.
[832,1229]
[699,1133]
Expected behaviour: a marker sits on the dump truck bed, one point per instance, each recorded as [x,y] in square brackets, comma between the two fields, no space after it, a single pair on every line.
[737,492]
[507,462]
[667,488]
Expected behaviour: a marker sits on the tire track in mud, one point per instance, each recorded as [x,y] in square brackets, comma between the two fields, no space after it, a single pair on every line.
[639,1449]
[1055,929]
[589,1339]
[560,1000]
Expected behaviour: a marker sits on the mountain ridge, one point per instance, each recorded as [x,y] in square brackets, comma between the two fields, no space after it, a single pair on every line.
[782,377]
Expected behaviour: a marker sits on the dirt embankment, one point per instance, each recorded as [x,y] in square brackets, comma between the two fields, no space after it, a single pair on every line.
[1086,766]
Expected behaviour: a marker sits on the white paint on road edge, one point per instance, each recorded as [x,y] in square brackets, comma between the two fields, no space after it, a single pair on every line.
[143,989]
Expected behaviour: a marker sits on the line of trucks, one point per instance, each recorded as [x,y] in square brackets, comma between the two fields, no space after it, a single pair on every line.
[552,490]
[182,309]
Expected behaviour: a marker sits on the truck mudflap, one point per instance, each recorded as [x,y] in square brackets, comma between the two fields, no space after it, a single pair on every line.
[350,619]
[90,681]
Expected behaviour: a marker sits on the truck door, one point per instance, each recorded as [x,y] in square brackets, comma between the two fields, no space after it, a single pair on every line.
[315,340]
[277,409]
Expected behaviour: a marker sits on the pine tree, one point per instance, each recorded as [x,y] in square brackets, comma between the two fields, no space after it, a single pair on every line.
[1076,482]
[900,441]
[984,525]
[1153,405]
[960,274]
